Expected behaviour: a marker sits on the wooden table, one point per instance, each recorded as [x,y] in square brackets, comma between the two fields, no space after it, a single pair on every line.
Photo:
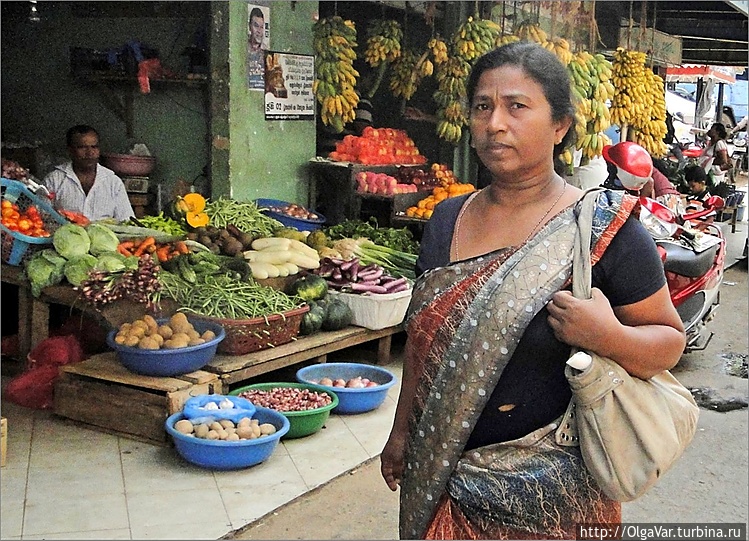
[238,368]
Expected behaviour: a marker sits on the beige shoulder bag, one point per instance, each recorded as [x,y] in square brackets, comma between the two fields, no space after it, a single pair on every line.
[631,431]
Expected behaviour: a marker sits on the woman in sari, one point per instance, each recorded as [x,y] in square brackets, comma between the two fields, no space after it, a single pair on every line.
[476,445]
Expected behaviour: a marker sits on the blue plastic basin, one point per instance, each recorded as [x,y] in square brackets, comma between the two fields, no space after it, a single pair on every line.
[351,400]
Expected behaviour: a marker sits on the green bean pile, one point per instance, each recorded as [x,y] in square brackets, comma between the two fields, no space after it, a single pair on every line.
[224,297]
[246,216]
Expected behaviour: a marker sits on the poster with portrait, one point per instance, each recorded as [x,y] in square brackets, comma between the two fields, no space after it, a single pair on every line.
[258,41]
[288,86]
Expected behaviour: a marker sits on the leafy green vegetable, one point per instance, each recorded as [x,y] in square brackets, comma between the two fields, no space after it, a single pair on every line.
[110,262]
[397,263]
[45,268]
[76,269]
[71,240]
[102,239]
[400,239]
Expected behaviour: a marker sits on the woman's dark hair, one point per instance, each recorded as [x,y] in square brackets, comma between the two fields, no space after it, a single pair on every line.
[78,129]
[543,67]
[721,129]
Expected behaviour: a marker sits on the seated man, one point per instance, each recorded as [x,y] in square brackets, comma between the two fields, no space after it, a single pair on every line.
[698,193]
[83,185]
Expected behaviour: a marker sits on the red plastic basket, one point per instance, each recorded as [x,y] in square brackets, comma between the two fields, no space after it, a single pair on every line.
[17,247]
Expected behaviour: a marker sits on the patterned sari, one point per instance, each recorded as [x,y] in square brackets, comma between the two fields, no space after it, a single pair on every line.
[464,323]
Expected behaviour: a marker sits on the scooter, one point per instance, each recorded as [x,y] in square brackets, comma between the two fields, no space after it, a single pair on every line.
[693,260]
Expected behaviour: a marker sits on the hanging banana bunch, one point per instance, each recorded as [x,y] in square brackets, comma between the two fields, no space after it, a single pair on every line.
[531,32]
[639,100]
[383,42]
[475,37]
[334,41]
[591,87]
[408,71]
[438,47]
[504,39]
[450,97]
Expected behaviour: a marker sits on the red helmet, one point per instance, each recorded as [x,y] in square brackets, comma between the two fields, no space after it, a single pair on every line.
[633,163]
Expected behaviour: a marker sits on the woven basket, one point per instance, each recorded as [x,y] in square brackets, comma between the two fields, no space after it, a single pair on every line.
[247,335]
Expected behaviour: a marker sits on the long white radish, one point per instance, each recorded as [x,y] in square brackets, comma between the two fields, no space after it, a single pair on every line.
[263,270]
[299,246]
[303,261]
[269,256]
[274,243]
[293,269]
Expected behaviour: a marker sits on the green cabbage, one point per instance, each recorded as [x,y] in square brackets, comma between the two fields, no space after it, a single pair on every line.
[45,268]
[111,262]
[76,269]
[71,240]
[102,239]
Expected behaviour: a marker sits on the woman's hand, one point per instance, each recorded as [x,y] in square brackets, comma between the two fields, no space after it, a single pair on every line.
[583,323]
[392,460]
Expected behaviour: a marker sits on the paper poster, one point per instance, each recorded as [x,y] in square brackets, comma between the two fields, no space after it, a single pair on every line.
[288,86]
[258,40]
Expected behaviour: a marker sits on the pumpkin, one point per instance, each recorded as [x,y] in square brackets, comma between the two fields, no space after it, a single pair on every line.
[188,210]
[338,315]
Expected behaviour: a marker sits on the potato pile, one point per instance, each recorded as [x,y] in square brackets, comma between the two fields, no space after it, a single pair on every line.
[245,429]
[146,333]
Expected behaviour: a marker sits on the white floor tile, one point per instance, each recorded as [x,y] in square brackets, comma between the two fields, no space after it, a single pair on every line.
[153,469]
[252,493]
[64,512]
[51,449]
[122,533]
[372,428]
[11,518]
[13,483]
[82,482]
[188,514]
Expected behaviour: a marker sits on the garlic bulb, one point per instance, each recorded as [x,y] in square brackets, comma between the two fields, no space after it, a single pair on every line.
[226,404]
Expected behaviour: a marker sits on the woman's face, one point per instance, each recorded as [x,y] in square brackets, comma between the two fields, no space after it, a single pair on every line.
[511,125]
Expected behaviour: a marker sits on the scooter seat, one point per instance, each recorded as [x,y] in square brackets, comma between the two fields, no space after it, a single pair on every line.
[686,262]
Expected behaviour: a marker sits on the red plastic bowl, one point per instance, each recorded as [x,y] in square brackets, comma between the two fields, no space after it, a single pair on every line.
[129,165]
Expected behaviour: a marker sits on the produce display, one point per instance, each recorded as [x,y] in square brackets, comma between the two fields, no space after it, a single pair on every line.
[161,222]
[592,87]
[424,208]
[395,238]
[295,211]
[140,284]
[378,146]
[188,210]
[223,240]
[146,333]
[381,184]
[334,41]
[271,257]
[244,215]
[639,101]
[13,170]
[225,429]
[438,174]
[285,399]
[27,222]
[350,276]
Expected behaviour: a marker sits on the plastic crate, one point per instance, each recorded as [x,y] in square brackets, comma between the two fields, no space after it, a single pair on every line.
[17,247]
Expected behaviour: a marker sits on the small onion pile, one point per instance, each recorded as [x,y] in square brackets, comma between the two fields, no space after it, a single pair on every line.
[287,398]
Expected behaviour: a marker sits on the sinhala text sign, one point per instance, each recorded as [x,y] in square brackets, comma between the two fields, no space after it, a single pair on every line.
[288,86]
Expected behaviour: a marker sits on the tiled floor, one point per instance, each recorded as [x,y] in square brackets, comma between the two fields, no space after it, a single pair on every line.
[65,481]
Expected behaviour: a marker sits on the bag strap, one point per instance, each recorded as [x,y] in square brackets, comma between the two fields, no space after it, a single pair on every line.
[581,268]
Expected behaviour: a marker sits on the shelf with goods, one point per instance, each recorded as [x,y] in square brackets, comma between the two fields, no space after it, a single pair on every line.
[333,188]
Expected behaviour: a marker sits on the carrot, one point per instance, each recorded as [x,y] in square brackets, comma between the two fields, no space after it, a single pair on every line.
[181,247]
[162,253]
[143,246]
[125,247]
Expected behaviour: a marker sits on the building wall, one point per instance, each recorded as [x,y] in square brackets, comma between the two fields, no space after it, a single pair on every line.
[41,99]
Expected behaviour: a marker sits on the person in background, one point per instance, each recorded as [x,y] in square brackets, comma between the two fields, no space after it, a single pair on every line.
[714,158]
[328,139]
[698,194]
[491,323]
[740,126]
[84,185]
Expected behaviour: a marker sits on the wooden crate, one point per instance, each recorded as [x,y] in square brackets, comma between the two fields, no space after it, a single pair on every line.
[101,392]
